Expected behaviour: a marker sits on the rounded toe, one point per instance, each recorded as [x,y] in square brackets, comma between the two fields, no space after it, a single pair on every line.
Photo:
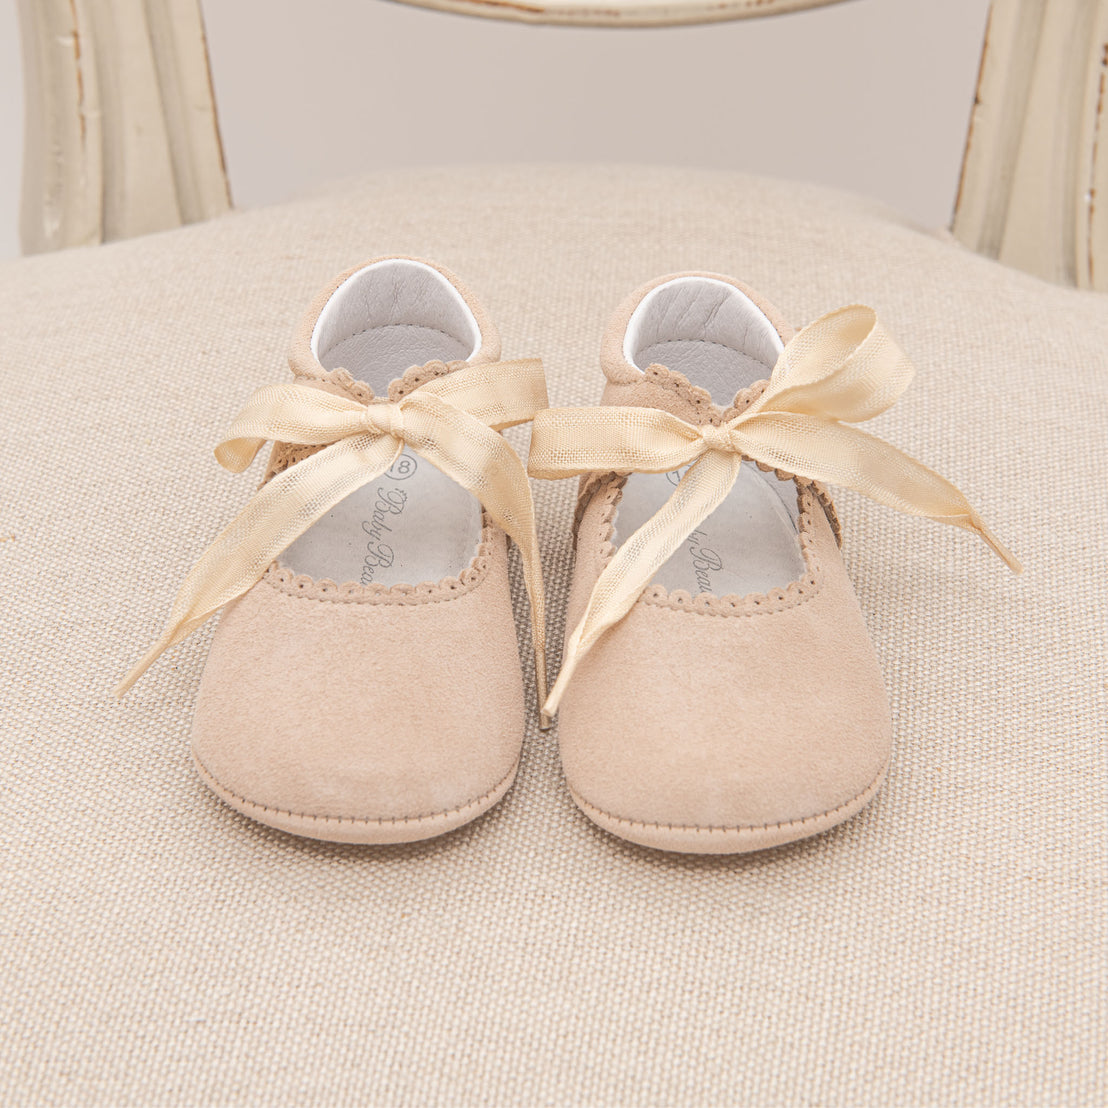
[668,755]
[335,722]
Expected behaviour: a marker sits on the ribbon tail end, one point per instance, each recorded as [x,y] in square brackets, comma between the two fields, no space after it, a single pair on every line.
[999,549]
[546,720]
[550,705]
[140,667]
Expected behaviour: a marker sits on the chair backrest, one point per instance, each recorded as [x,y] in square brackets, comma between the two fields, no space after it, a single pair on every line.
[122,136]
[1034,190]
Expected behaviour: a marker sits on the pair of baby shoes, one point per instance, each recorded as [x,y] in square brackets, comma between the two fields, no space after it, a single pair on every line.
[718,692]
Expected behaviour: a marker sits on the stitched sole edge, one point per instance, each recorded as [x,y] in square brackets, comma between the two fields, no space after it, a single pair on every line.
[363,831]
[726,840]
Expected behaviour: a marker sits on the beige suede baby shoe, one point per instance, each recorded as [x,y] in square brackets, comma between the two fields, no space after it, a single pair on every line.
[363,685]
[719,691]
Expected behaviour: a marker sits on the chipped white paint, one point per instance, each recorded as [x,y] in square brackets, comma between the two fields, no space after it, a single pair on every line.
[121,135]
[62,163]
[1034,190]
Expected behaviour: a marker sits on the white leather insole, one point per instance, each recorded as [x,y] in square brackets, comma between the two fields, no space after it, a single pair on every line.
[708,314]
[712,334]
[412,524]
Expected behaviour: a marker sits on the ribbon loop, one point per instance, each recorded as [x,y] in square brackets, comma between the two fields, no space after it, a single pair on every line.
[293,413]
[451,421]
[844,368]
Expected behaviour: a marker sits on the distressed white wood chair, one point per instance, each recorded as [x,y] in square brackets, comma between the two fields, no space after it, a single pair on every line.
[122,135]
[945,946]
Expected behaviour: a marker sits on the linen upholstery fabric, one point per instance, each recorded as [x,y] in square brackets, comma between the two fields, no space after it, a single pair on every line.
[945,946]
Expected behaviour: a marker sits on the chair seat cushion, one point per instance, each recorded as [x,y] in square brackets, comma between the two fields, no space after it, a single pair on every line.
[946,945]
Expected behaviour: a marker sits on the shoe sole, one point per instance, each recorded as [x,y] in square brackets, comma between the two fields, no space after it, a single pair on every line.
[726,840]
[350,829]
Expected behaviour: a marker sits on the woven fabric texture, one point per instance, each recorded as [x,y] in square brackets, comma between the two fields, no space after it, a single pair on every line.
[948,946]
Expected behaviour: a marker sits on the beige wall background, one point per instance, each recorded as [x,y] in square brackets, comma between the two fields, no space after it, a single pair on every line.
[870,95]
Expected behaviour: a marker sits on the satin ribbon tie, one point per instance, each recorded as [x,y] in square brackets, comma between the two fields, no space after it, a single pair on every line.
[453,421]
[844,368]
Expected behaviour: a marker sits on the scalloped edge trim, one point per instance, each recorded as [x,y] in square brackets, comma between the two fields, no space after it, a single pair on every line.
[353,592]
[776,600]
[417,375]
[695,839]
[398,387]
[673,381]
[283,455]
[700,398]
[703,409]
[359,829]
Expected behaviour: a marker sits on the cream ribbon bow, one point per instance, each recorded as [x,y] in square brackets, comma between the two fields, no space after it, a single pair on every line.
[842,369]
[453,421]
